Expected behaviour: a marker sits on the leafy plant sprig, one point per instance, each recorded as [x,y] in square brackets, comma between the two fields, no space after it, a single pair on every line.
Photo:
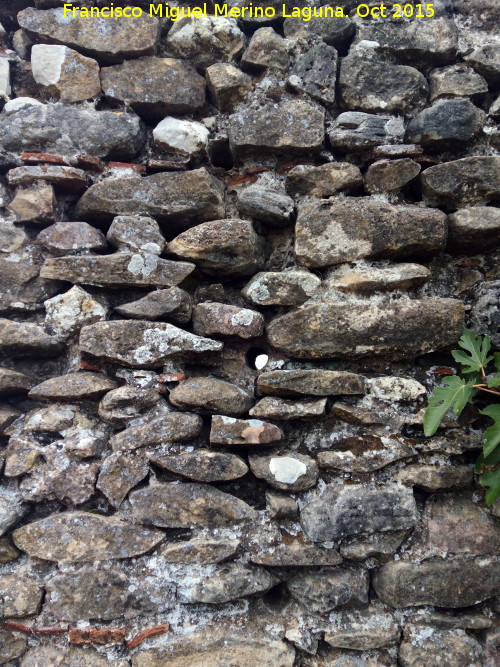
[457,391]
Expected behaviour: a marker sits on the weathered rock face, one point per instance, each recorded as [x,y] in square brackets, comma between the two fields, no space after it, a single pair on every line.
[360,329]
[290,126]
[108,41]
[141,344]
[466,182]
[246,432]
[310,383]
[290,288]
[448,123]
[450,647]
[453,584]
[323,591]
[202,465]
[332,231]
[209,395]
[180,199]
[173,86]
[54,70]
[354,131]
[217,319]
[81,536]
[54,128]
[171,427]
[475,228]
[186,505]
[336,512]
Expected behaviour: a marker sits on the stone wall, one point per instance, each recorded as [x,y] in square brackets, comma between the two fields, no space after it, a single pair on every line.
[181,204]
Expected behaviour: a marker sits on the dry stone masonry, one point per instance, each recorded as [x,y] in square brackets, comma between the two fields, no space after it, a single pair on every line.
[235,254]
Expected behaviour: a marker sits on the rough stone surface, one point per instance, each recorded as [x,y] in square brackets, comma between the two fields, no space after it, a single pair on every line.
[185,505]
[271,407]
[287,471]
[450,647]
[355,130]
[364,228]
[141,344]
[245,432]
[390,175]
[310,382]
[172,304]
[323,591]
[68,238]
[168,428]
[324,181]
[335,513]
[201,465]
[211,395]
[218,319]
[174,199]
[290,288]
[82,536]
[475,228]
[64,74]
[447,123]
[298,332]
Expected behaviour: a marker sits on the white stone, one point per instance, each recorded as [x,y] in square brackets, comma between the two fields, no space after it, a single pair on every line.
[5,89]
[47,61]
[287,469]
[67,313]
[183,136]
[20,103]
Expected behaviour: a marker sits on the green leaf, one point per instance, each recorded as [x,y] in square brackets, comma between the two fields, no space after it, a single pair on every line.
[478,348]
[454,393]
[493,459]
[492,481]
[492,434]
[494,381]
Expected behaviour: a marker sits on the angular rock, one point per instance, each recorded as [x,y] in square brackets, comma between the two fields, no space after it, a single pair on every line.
[13,382]
[108,41]
[271,407]
[447,124]
[67,313]
[155,87]
[7,552]
[323,181]
[205,40]
[185,505]
[451,648]
[460,183]
[399,329]
[21,339]
[177,199]
[456,81]
[136,233]
[64,74]
[381,546]
[11,646]
[320,592]
[12,509]
[201,465]
[219,319]
[362,630]
[396,389]
[342,230]
[365,453]
[375,86]
[281,288]
[171,427]
[433,41]
[296,554]
[198,550]
[84,536]
[59,129]
[315,73]
[8,414]
[229,582]
[120,405]
[455,525]
[390,175]
[71,238]
[432,478]
[185,138]
[353,509]
[265,49]
[67,179]
[288,471]
[354,131]
[142,344]
[5,85]
[486,61]
[20,595]
[35,204]
[374,279]
[121,268]
[475,228]
[310,382]
[73,387]
[59,657]
[442,583]
[227,85]
[231,432]
[266,201]
[210,395]
[484,316]
[278,128]
[281,507]
[119,474]
[222,247]
[336,31]
[172,304]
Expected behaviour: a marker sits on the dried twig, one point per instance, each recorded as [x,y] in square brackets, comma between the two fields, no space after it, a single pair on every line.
[146,634]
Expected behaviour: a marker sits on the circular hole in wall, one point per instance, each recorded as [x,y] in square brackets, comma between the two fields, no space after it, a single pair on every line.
[257,358]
